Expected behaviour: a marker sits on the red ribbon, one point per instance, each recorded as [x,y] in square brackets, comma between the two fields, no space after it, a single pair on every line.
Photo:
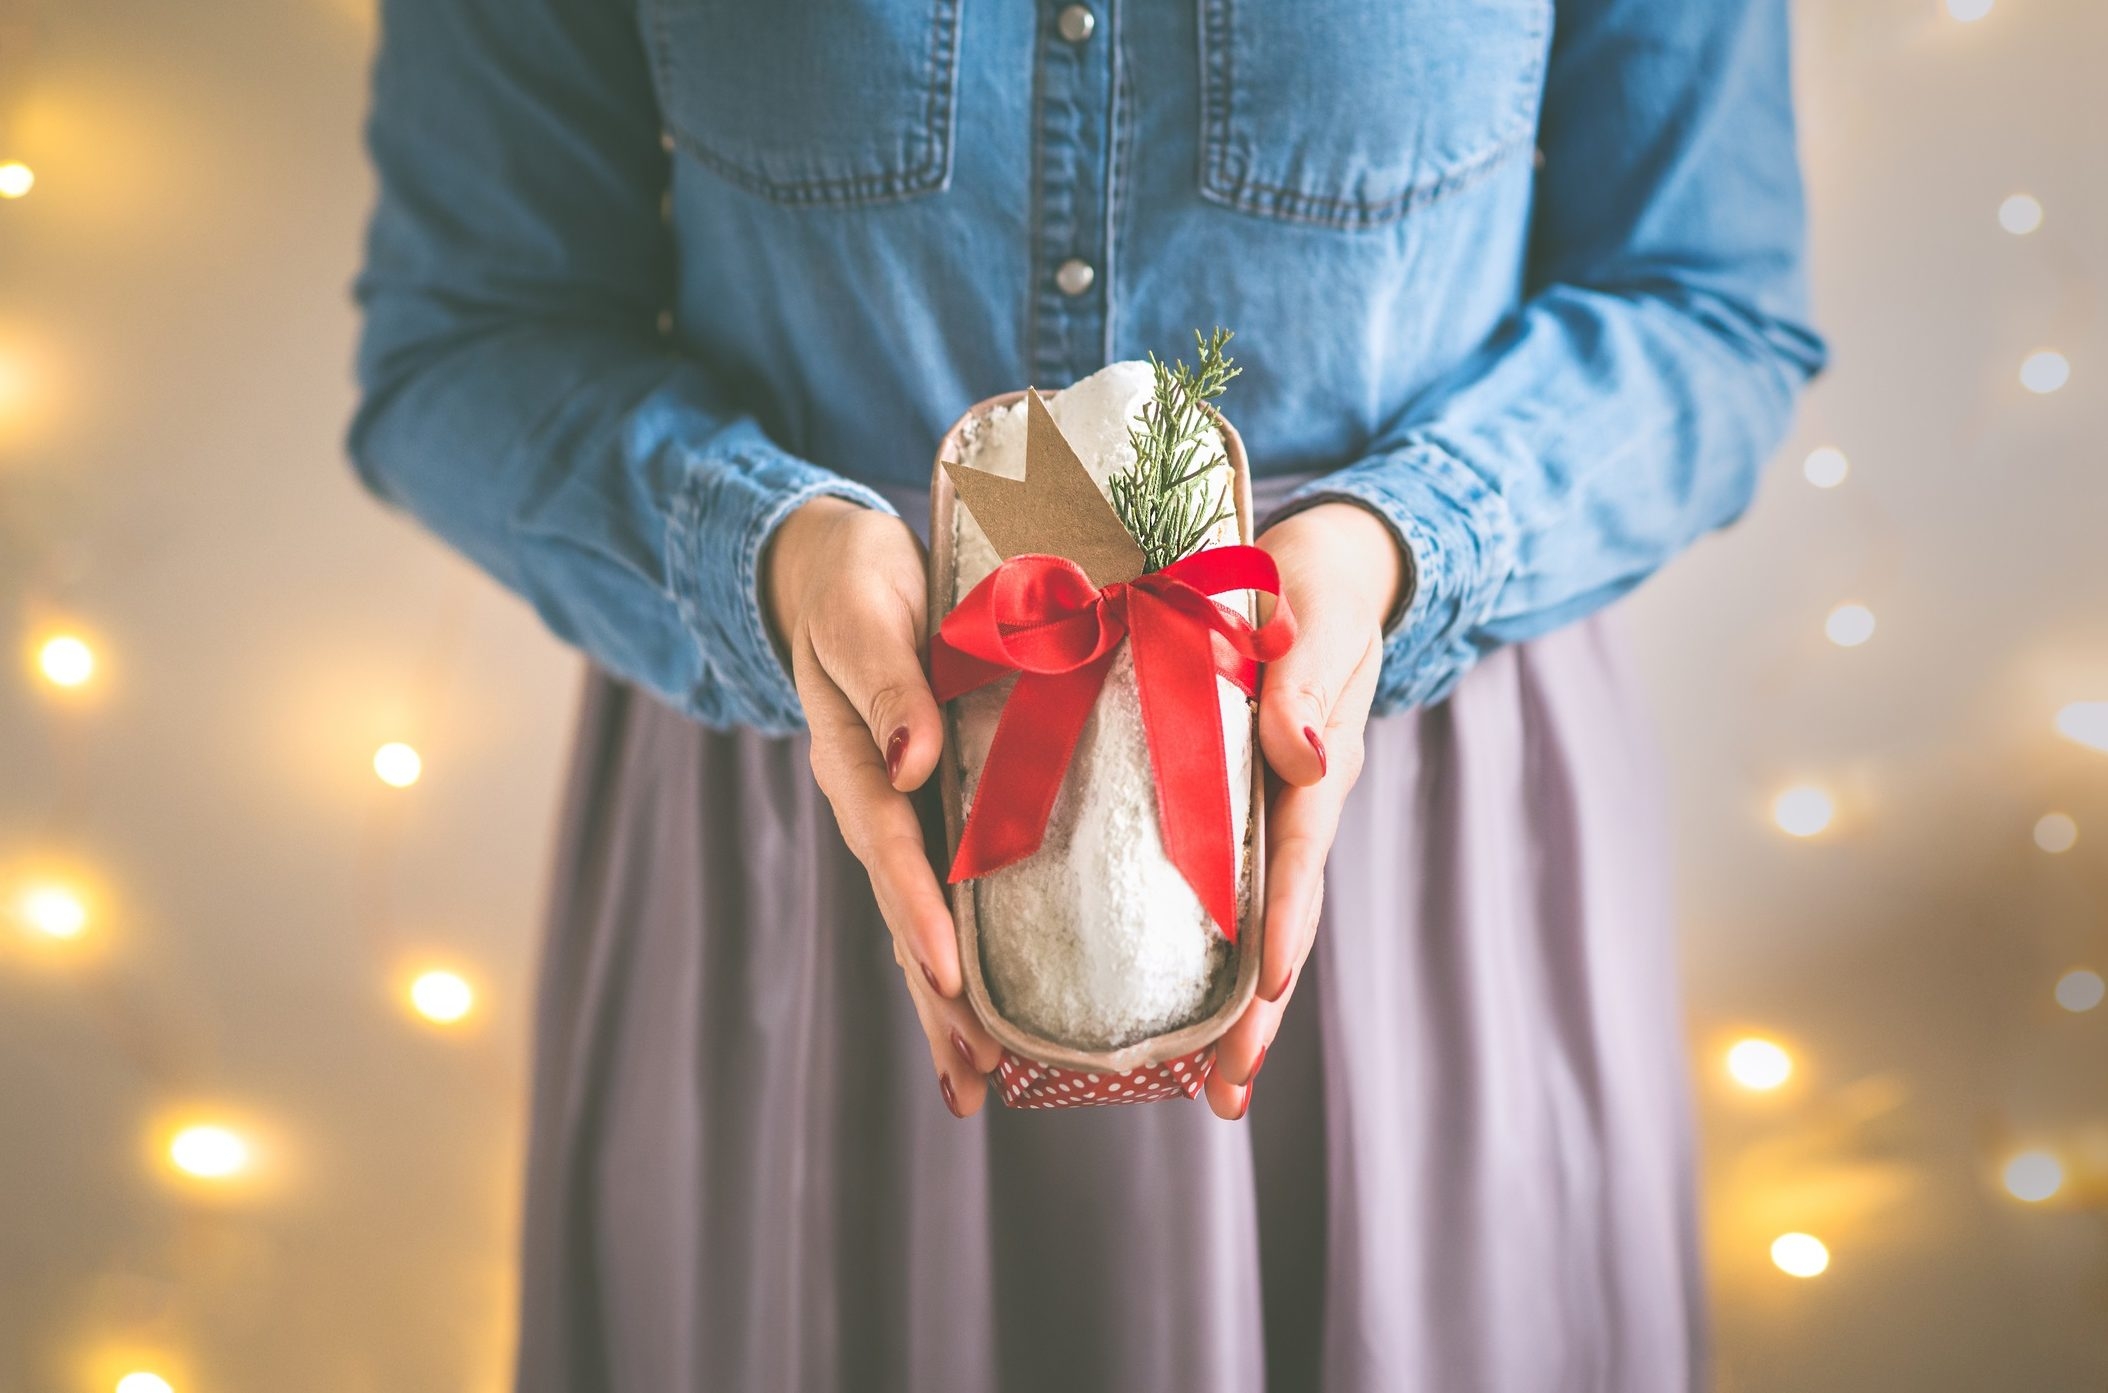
[1040,617]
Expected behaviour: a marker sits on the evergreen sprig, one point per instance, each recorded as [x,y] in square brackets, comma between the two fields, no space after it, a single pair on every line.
[1164,498]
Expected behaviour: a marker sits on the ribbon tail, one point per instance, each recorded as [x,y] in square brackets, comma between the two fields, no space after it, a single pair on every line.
[1175,672]
[1034,740]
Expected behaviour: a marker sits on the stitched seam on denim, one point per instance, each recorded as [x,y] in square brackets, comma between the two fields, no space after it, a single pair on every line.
[1035,261]
[928,174]
[1119,167]
[1291,205]
[1215,72]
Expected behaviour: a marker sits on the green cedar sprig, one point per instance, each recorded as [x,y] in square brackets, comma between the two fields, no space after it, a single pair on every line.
[1164,498]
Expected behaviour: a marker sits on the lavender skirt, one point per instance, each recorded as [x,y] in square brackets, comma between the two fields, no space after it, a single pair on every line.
[1469,1170]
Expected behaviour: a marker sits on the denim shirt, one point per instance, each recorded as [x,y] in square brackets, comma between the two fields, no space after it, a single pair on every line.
[1523,276]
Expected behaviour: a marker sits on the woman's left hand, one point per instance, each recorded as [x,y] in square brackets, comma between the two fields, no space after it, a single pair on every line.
[1340,573]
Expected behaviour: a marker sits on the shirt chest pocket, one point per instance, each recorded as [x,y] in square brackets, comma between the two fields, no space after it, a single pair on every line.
[810,102]
[1351,113]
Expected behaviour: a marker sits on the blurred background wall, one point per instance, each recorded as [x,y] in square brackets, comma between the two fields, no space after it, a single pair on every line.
[238,1153]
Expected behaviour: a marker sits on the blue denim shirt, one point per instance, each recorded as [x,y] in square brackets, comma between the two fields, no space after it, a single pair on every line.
[1524,276]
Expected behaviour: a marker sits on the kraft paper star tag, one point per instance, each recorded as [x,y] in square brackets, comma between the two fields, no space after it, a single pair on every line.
[1055,510]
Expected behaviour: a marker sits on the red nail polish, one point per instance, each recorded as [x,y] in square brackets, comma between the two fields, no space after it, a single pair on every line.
[1257,1065]
[1310,734]
[959,1048]
[951,1099]
[1248,1090]
[897,745]
[931,978]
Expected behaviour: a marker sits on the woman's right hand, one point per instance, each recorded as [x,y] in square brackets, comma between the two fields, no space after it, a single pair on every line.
[844,588]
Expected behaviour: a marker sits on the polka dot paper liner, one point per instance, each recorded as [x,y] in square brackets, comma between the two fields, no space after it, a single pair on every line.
[1027,1084]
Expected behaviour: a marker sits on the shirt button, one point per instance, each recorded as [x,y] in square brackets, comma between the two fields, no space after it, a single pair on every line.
[1074,277]
[1076,23]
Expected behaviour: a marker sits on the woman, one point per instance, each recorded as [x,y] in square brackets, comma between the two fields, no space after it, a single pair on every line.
[667,304]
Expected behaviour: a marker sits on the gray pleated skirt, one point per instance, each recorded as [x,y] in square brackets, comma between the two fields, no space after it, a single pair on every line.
[1469,1170]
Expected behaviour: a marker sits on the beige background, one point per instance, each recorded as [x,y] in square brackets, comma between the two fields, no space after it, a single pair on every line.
[174,341]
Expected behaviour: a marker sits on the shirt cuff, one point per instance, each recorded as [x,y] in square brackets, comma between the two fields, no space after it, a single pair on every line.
[1459,544]
[728,507]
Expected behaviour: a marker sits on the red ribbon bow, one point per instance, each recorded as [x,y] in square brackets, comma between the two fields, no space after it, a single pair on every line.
[1041,617]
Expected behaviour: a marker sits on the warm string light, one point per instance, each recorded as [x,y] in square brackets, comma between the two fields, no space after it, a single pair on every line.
[1803,810]
[1800,1255]
[2080,989]
[207,1151]
[2056,833]
[442,997]
[142,1381]
[397,764]
[1826,466]
[16,179]
[55,911]
[1849,625]
[2085,723]
[2034,1176]
[2020,214]
[2044,371]
[66,660]
[1758,1065]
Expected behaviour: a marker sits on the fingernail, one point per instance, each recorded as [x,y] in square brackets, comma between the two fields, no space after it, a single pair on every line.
[1272,993]
[897,745]
[1257,1065]
[951,1099]
[931,978]
[959,1047]
[1248,1090]
[1310,734]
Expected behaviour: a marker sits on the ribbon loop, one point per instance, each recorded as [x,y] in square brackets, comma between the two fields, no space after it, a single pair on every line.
[1041,618]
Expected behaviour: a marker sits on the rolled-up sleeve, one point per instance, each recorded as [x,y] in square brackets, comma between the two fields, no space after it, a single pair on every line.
[1628,406]
[518,396]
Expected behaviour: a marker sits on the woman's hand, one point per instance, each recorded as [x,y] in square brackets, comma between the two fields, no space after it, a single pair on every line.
[845,591]
[1340,573]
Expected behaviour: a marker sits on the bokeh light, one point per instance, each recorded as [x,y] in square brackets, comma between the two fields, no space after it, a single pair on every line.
[209,1152]
[2044,371]
[1800,1255]
[2056,833]
[442,997]
[55,911]
[2081,989]
[2033,1176]
[2085,722]
[16,179]
[2020,214]
[1968,11]
[1803,810]
[1826,466]
[1849,625]
[141,1381]
[66,660]
[1758,1065]
[397,764]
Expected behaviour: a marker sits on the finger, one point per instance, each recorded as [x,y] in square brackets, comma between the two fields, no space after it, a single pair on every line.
[1244,1044]
[874,658]
[1300,827]
[1299,695]
[962,1086]
[882,830]
[973,1048]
